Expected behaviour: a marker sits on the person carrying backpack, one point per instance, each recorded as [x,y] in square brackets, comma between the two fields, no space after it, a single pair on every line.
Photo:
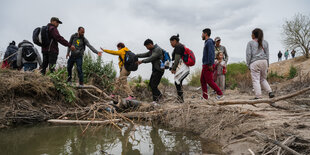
[155,56]
[179,68]
[124,73]
[50,51]
[10,56]
[76,57]
[28,56]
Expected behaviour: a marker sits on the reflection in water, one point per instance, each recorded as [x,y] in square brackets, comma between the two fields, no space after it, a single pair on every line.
[132,140]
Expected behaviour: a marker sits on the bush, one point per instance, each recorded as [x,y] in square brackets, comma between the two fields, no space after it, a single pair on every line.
[194,78]
[274,77]
[59,80]
[237,75]
[292,73]
[165,81]
[101,74]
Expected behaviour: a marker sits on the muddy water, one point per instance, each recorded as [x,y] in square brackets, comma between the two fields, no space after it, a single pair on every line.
[48,139]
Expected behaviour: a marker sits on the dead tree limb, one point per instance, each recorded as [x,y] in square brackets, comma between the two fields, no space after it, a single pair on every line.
[84,122]
[267,139]
[92,95]
[96,89]
[269,101]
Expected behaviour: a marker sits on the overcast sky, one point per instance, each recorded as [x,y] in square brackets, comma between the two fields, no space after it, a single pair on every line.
[108,22]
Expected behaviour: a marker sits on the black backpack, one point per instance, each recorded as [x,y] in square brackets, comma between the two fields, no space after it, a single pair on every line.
[28,53]
[130,61]
[40,36]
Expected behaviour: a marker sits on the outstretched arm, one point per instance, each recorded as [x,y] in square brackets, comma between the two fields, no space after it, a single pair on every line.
[90,46]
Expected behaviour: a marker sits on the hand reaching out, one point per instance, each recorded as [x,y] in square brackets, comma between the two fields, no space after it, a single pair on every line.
[72,48]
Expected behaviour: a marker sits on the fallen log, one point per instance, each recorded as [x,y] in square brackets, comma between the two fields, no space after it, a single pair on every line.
[96,89]
[83,122]
[269,101]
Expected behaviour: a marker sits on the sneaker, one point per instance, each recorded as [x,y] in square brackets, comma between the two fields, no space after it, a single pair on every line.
[155,104]
[218,97]
[81,86]
[271,95]
[130,97]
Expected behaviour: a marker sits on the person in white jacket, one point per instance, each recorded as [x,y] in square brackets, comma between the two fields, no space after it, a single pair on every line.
[28,56]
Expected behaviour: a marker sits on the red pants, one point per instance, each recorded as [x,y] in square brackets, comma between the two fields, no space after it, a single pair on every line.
[207,78]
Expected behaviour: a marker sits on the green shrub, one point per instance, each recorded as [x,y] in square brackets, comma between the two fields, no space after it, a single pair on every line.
[136,79]
[165,81]
[292,73]
[194,78]
[235,71]
[102,74]
[275,75]
[59,80]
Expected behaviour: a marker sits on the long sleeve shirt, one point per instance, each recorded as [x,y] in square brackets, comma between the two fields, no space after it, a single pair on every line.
[177,54]
[154,56]
[21,60]
[222,49]
[253,53]
[121,53]
[55,37]
[79,43]
[208,53]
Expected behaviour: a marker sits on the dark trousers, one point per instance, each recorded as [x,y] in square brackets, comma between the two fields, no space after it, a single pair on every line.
[207,78]
[180,89]
[154,82]
[30,66]
[79,64]
[49,60]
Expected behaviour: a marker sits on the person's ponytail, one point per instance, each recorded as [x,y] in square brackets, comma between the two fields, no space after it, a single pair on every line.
[175,37]
[259,35]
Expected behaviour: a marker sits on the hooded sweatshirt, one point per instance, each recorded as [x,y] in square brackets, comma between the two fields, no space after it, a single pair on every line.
[55,37]
[253,53]
[21,60]
[10,51]
[208,52]
[79,42]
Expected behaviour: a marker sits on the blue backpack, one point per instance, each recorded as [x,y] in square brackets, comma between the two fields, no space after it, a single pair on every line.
[166,59]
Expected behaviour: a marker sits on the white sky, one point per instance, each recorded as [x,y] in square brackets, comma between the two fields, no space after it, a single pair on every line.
[108,22]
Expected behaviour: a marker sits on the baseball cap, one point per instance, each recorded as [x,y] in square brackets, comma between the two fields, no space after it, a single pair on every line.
[217,39]
[56,19]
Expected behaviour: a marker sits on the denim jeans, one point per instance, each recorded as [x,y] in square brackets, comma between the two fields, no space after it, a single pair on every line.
[79,63]
[30,66]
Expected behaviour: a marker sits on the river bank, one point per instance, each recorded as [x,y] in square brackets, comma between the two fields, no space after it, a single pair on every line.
[31,98]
